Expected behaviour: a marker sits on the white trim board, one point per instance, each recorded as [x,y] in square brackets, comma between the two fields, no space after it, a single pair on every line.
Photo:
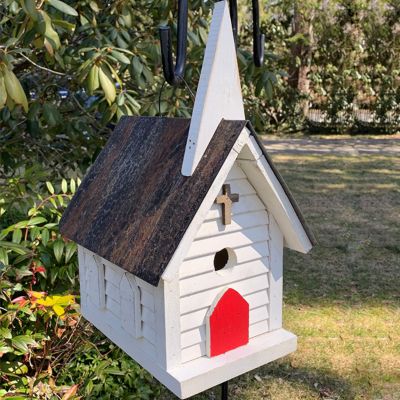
[172,270]
[203,373]
[262,177]
[268,189]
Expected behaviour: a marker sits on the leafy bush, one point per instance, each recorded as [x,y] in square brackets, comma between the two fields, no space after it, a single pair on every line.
[46,349]
[104,371]
[70,69]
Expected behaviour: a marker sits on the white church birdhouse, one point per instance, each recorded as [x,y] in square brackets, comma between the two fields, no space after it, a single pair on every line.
[181,226]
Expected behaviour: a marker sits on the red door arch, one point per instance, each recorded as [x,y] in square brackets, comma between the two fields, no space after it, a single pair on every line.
[227,323]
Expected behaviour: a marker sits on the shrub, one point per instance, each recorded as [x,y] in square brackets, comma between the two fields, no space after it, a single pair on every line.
[47,350]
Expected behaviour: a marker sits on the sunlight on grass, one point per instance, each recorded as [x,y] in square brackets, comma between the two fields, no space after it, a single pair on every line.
[343,299]
[361,344]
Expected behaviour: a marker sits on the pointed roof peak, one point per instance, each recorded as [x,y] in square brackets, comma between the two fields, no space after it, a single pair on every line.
[219,93]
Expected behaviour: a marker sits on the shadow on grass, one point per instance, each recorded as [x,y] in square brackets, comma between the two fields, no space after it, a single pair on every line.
[279,380]
[353,206]
[321,383]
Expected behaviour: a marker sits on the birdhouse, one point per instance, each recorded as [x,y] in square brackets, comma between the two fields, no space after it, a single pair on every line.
[181,226]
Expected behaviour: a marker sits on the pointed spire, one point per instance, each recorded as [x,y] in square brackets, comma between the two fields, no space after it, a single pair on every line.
[219,93]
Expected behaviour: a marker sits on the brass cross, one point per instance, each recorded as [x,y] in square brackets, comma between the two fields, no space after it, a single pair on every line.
[226,199]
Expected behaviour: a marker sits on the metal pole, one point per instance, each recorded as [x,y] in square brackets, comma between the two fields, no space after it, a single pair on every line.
[224,391]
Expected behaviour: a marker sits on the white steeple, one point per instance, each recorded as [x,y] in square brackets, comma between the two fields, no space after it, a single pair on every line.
[219,94]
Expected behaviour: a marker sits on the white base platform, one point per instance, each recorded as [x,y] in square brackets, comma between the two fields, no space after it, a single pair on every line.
[198,375]
[203,373]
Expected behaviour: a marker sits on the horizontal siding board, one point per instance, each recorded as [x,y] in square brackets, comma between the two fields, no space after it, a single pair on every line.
[193,352]
[257,299]
[252,252]
[114,306]
[242,186]
[210,280]
[147,299]
[258,328]
[258,314]
[148,316]
[235,173]
[198,318]
[112,276]
[148,333]
[244,205]
[193,336]
[211,245]
[110,318]
[205,264]
[205,299]
[239,222]
[194,319]
[197,266]
[112,290]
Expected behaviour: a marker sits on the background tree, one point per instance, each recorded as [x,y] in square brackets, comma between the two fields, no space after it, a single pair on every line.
[70,69]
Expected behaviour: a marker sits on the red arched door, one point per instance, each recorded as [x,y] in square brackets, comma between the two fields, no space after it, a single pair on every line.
[227,323]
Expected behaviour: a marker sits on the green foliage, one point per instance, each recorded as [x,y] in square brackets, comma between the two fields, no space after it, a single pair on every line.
[356,65]
[34,259]
[46,350]
[106,372]
[33,245]
[69,70]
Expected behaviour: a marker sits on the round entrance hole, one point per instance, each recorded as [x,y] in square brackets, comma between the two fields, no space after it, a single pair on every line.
[224,258]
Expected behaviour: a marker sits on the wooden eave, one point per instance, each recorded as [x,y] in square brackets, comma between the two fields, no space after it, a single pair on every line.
[134,205]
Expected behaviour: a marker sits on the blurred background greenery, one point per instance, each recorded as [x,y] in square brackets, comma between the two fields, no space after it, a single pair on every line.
[70,69]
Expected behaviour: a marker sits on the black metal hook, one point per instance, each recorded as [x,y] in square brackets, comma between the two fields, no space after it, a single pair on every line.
[174,75]
[234,18]
[258,38]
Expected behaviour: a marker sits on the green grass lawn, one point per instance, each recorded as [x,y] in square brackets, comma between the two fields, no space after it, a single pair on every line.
[343,299]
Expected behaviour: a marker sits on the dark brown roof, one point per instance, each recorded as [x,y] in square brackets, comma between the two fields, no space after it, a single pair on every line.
[134,205]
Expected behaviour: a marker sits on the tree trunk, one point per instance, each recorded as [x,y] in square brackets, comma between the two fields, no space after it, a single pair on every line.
[301,52]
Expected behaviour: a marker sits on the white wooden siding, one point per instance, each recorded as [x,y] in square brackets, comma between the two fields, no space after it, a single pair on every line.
[199,284]
[236,273]
[214,243]
[245,205]
[199,349]
[244,254]
[110,300]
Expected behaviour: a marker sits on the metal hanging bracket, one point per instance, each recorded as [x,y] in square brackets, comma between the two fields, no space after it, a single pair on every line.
[174,74]
[258,37]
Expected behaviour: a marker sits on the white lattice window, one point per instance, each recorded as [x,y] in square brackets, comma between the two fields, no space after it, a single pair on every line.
[130,305]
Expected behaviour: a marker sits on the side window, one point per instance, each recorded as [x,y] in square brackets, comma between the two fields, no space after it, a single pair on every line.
[96,281]
[131,319]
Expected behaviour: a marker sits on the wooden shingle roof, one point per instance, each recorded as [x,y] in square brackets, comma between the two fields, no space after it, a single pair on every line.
[134,205]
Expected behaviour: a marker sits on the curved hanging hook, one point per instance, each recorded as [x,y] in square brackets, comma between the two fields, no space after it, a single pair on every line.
[174,75]
[258,38]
